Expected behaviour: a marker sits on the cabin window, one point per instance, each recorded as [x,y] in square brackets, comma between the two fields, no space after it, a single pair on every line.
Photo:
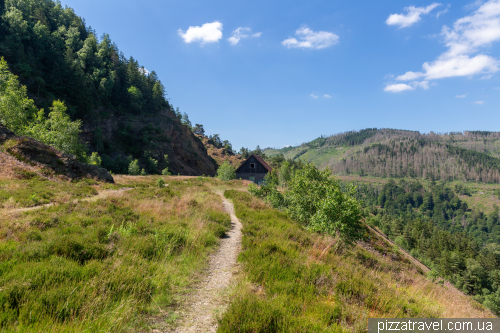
[252,165]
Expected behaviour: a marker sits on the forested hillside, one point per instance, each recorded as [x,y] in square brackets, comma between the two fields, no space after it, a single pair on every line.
[434,223]
[464,156]
[57,56]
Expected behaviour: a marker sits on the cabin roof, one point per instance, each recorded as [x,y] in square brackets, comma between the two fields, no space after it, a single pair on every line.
[261,161]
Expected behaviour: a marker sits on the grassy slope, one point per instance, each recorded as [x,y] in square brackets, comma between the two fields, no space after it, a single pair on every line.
[106,265]
[297,281]
[321,156]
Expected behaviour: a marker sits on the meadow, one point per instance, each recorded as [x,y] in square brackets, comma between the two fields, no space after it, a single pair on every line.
[116,263]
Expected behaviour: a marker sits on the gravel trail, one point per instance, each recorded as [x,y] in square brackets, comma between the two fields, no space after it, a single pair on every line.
[199,314]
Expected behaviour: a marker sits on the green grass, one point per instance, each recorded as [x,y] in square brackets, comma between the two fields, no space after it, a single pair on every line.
[297,281]
[107,265]
[35,191]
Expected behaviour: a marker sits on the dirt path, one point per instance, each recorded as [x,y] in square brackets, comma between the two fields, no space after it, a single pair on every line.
[198,314]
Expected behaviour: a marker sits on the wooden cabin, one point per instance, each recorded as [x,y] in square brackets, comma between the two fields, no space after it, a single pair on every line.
[254,168]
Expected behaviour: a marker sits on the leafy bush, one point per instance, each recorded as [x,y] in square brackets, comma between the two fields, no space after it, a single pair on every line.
[226,171]
[315,199]
[133,168]
[165,172]
[95,159]
[160,183]
[19,114]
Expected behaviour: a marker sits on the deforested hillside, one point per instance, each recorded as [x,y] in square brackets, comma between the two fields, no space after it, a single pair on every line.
[421,159]
[467,156]
[123,106]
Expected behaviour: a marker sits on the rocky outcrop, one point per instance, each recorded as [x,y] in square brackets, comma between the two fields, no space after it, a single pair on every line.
[47,160]
[158,134]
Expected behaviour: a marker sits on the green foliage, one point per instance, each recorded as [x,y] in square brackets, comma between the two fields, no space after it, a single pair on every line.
[151,164]
[95,159]
[16,109]
[226,171]
[166,172]
[143,172]
[315,199]
[136,99]
[198,129]
[50,45]
[19,114]
[133,168]
[160,183]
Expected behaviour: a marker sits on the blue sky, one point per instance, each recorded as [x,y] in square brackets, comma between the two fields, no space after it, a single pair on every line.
[298,69]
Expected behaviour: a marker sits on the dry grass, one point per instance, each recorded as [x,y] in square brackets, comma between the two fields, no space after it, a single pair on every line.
[300,281]
[121,261]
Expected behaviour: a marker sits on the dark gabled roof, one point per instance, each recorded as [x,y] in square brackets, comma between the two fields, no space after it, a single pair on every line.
[261,161]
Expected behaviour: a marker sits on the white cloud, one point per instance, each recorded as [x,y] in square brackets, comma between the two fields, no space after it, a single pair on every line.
[310,39]
[473,5]
[207,33]
[144,71]
[422,84]
[413,15]
[240,33]
[327,96]
[479,102]
[442,12]
[314,96]
[461,96]
[398,87]
[464,42]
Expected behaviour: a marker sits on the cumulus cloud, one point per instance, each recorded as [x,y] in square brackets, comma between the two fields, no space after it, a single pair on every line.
[207,33]
[327,96]
[461,96]
[310,39]
[413,15]
[144,71]
[398,87]
[464,41]
[314,96]
[240,33]
[479,102]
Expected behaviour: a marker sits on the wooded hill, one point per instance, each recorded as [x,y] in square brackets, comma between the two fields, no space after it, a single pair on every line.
[123,106]
[465,156]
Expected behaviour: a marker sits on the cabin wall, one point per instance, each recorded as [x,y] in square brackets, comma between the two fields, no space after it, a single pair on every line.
[259,168]
[257,177]
[255,174]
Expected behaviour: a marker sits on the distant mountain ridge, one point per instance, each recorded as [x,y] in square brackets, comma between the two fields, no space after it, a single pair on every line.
[467,156]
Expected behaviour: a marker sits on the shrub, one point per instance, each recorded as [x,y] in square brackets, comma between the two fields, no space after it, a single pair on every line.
[143,172]
[133,168]
[165,172]
[226,171]
[160,183]
[95,159]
